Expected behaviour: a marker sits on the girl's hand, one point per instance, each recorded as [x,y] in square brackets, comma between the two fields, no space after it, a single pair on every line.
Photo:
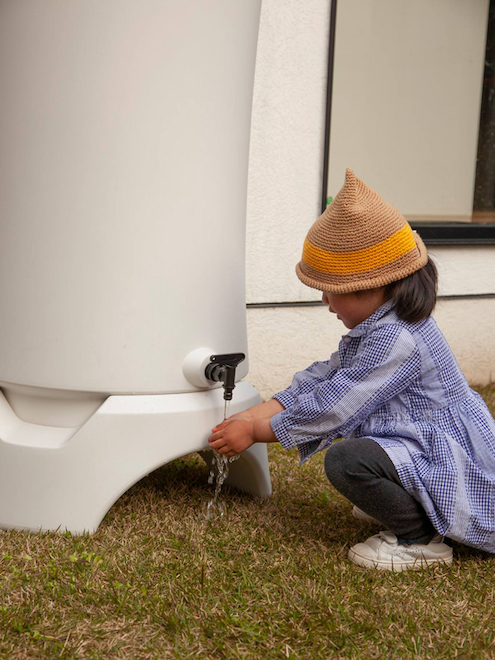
[242,415]
[232,436]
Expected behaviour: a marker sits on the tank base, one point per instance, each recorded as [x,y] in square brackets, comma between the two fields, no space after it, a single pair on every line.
[70,485]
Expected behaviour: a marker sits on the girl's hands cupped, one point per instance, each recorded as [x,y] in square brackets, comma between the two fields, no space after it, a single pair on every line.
[233,435]
[242,415]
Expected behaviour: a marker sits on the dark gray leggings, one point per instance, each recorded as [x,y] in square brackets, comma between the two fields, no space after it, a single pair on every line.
[361,470]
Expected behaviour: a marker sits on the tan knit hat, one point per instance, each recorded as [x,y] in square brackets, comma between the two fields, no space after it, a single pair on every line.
[359,242]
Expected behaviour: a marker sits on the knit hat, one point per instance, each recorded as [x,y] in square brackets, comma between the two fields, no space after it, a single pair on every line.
[359,242]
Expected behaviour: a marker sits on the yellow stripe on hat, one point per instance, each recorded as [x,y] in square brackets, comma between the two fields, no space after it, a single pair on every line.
[358,261]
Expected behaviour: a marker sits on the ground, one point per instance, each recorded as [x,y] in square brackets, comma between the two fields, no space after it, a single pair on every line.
[269,580]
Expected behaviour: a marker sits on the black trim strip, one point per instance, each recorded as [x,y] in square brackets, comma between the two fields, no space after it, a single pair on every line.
[318,303]
[466,296]
[300,303]
[328,112]
[453,233]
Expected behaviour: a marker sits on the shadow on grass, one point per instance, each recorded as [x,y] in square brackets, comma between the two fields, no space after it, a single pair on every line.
[303,507]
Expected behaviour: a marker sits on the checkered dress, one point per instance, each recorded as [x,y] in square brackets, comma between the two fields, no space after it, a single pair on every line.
[400,385]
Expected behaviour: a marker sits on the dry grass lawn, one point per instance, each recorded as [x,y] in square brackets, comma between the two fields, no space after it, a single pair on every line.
[269,580]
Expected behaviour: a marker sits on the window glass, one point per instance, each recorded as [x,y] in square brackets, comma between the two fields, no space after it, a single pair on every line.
[409,79]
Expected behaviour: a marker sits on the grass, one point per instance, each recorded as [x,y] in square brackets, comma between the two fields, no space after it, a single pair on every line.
[269,580]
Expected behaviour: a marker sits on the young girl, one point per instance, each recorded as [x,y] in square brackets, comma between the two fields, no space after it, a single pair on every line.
[418,448]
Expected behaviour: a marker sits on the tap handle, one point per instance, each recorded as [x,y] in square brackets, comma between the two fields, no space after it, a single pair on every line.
[222,368]
[228,359]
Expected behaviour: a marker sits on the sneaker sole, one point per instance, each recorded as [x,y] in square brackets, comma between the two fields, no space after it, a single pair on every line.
[398,566]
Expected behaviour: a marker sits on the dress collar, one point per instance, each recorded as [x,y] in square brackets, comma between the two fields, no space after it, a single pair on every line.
[365,325]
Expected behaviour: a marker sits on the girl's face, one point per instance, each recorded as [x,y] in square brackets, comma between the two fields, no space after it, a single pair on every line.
[353,308]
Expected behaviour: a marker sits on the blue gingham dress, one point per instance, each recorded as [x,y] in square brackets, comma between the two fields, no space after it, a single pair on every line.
[399,384]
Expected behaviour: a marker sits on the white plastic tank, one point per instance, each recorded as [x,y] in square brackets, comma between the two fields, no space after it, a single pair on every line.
[124,135]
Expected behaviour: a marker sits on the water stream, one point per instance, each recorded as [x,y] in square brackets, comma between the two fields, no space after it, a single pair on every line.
[219,471]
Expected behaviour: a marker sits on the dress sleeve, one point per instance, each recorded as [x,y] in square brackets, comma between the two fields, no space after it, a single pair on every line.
[305,381]
[386,362]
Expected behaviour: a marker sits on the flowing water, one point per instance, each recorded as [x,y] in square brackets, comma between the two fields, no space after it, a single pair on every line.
[219,471]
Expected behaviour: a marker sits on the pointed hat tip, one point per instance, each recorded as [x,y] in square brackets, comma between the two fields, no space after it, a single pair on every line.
[350,184]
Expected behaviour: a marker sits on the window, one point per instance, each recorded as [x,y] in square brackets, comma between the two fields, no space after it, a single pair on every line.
[408,83]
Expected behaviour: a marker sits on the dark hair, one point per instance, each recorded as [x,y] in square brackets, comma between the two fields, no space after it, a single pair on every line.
[415,295]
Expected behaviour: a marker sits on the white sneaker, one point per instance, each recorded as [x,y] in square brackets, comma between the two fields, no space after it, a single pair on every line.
[383,551]
[361,515]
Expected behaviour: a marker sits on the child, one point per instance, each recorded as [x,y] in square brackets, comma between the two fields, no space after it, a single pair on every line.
[418,453]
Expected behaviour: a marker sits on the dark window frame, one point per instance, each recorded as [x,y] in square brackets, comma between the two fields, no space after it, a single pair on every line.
[433,233]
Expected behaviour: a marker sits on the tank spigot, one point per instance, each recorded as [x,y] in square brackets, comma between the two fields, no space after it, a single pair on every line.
[222,369]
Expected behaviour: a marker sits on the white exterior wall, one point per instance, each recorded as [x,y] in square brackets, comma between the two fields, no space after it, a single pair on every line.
[284,200]
[285,340]
[285,169]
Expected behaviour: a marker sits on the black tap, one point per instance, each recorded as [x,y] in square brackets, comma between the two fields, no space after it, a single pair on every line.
[222,369]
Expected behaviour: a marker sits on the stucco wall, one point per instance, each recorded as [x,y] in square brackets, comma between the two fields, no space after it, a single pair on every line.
[285,169]
[284,200]
[285,340]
